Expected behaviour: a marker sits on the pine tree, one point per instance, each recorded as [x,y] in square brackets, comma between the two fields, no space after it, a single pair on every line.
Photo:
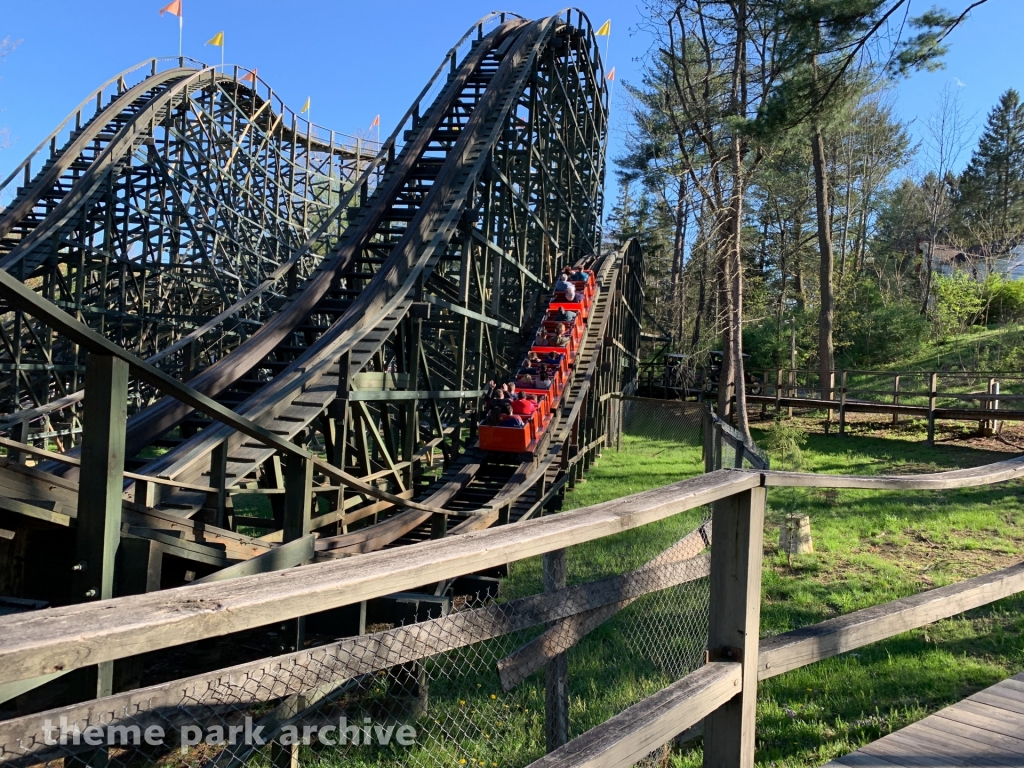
[991,201]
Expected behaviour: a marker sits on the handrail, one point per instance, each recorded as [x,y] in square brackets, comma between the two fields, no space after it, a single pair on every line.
[68,637]
[958,478]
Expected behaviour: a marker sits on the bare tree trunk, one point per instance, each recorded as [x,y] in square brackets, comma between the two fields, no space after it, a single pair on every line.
[726,375]
[826,351]
[735,254]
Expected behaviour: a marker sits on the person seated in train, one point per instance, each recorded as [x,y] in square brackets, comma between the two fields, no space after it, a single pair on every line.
[552,358]
[563,315]
[532,360]
[564,286]
[525,379]
[543,381]
[522,406]
[580,276]
[561,335]
[511,420]
[493,417]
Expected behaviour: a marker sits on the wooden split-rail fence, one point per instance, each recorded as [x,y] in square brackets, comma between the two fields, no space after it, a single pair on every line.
[982,397]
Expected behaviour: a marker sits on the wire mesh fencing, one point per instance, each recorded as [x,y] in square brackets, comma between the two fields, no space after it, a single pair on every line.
[492,678]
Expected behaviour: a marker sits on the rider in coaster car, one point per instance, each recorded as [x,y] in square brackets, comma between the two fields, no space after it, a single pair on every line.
[562,285]
[580,276]
[563,315]
[543,381]
[561,335]
[525,379]
[511,420]
[523,406]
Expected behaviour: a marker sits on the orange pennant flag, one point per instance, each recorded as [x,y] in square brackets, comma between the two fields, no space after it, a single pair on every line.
[376,121]
[250,77]
[611,75]
[173,8]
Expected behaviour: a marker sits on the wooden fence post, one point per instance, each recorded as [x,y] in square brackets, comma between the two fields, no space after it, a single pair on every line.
[100,487]
[933,383]
[895,398]
[734,623]
[842,403]
[556,671]
[778,391]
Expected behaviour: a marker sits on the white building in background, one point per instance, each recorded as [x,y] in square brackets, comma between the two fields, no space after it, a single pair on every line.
[946,259]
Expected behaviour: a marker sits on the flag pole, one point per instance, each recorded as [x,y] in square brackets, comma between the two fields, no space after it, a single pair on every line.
[180,23]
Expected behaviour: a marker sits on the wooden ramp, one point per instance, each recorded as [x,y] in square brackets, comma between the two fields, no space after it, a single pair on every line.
[984,729]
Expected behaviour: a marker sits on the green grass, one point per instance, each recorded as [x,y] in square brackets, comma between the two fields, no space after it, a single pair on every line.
[872,547]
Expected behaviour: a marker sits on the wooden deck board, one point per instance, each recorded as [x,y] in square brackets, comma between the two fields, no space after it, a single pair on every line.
[986,729]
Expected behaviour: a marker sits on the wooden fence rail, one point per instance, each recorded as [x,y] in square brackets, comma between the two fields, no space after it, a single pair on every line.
[723,693]
[780,388]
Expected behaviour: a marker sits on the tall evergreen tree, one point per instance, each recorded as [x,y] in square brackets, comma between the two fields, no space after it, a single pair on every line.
[992,186]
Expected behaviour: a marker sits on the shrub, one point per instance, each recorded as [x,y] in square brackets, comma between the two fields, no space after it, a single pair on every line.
[1007,301]
[785,439]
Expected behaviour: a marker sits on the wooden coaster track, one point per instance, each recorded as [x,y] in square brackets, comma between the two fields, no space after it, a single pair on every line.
[348,298]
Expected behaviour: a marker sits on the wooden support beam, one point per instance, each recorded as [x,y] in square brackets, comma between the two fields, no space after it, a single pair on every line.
[734,624]
[217,500]
[100,488]
[287,555]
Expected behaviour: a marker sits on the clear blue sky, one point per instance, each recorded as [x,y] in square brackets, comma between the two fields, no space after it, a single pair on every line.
[357,59]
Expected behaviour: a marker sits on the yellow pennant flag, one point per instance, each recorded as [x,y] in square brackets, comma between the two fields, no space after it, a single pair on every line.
[305,107]
[217,39]
[606,29]
[611,75]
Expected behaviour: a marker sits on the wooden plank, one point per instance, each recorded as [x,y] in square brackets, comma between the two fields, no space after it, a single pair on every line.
[989,474]
[734,624]
[953,728]
[72,636]
[287,555]
[990,727]
[972,752]
[28,509]
[927,733]
[807,645]
[635,732]
[908,748]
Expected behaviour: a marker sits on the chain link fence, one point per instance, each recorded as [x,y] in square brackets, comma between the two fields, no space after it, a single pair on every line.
[580,634]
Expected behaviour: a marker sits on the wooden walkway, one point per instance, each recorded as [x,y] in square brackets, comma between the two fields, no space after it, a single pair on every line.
[984,729]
